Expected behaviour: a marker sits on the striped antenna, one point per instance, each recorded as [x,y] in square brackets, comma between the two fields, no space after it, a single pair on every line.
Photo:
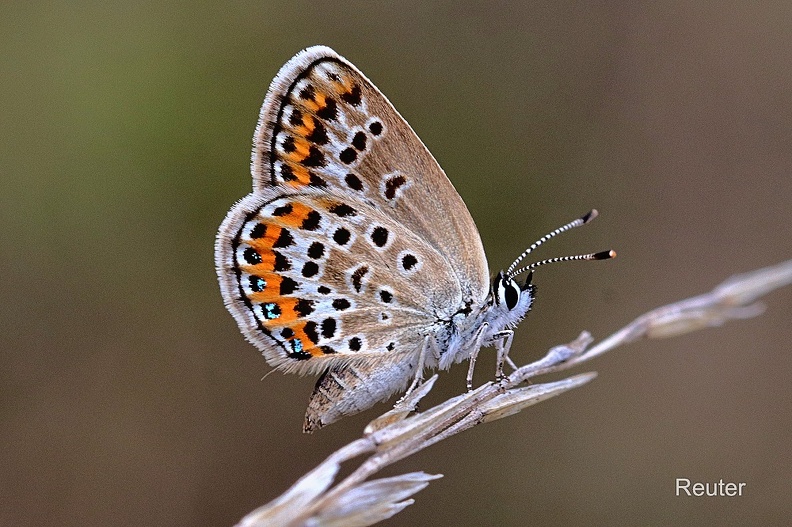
[604,255]
[571,225]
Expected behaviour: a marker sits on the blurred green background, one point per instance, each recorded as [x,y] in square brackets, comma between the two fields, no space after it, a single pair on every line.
[128,396]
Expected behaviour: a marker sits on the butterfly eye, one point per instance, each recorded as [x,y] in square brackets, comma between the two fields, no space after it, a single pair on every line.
[506,291]
[511,294]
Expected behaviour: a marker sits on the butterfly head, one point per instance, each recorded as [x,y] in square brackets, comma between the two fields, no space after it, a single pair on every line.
[510,300]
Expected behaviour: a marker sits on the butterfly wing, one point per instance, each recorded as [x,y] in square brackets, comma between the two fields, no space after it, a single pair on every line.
[353,246]
[325,127]
[313,281]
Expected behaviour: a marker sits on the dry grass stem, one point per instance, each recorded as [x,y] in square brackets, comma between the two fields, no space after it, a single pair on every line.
[359,501]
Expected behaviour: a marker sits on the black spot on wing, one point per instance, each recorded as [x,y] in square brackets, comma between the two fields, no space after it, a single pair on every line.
[281,262]
[258,231]
[348,155]
[288,144]
[375,128]
[251,256]
[392,186]
[353,182]
[296,117]
[319,135]
[409,261]
[287,173]
[343,210]
[304,307]
[315,158]
[353,96]
[341,236]
[357,277]
[328,328]
[329,112]
[311,221]
[271,310]
[285,239]
[310,269]
[379,236]
[257,284]
[283,210]
[340,304]
[316,181]
[308,93]
[316,250]
[310,332]
[359,141]
[297,352]
[287,286]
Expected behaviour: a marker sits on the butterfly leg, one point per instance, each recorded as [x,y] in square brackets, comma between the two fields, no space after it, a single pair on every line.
[429,345]
[511,363]
[419,369]
[471,367]
[503,342]
[477,343]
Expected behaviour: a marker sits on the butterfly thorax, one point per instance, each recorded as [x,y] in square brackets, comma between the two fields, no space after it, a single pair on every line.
[477,325]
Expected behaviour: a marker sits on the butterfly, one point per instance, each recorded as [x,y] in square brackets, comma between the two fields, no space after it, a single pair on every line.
[354,257]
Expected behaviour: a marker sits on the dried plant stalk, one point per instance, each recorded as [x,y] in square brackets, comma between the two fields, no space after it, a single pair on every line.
[359,501]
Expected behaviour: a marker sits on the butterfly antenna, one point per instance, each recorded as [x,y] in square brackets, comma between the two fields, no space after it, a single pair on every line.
[604,255]
[590,215]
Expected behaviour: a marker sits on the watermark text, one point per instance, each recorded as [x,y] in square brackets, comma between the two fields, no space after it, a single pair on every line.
[685,487]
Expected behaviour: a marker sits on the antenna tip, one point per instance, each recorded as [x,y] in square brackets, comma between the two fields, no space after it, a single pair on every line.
[604,255]
[590,215]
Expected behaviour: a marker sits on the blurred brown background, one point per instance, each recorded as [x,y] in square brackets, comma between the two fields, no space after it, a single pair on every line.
[128,396]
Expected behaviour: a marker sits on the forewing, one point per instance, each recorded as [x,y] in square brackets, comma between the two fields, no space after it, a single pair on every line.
[325,128]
